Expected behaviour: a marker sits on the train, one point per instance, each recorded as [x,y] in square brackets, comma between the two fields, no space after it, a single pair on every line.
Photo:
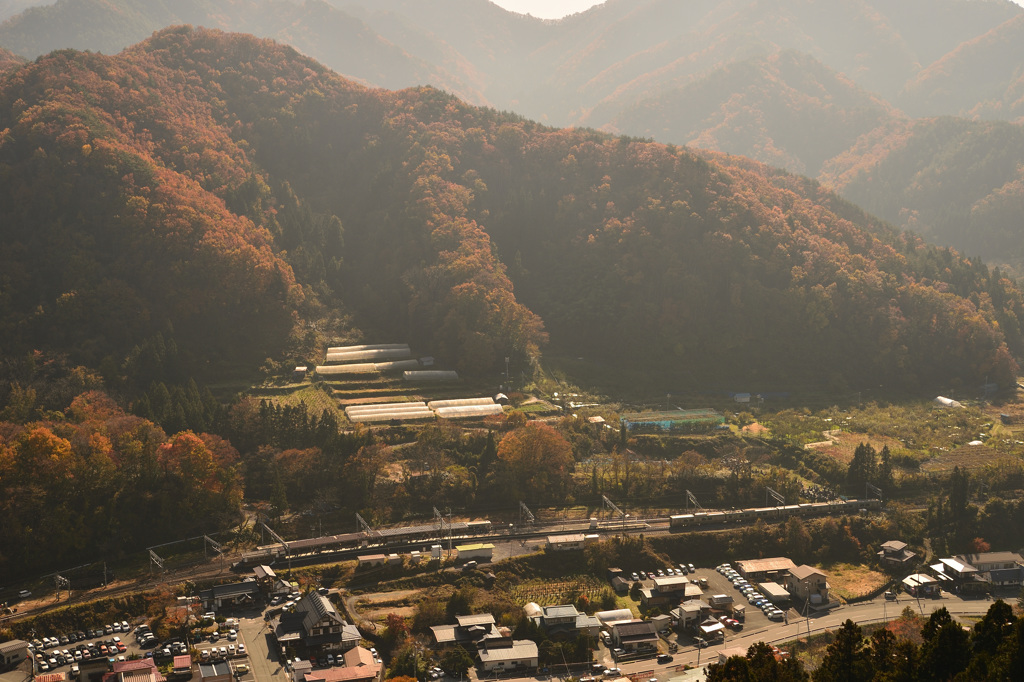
[739,516]
[376,538]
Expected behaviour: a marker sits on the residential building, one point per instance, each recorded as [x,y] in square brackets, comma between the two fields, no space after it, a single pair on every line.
[141,670]
[894,554]
[635,636]
[690,613]
[502,654]
[567,621]
[807,583]
[1003,569]
[316,624]
[467,631]
[359,666]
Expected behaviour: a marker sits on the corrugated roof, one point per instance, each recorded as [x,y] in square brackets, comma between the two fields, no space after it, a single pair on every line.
[769,565]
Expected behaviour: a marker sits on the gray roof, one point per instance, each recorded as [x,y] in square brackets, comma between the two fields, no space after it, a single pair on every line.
[561,611]
[214,669]
[12,645]
[803,572]
[316,607]
[520,649]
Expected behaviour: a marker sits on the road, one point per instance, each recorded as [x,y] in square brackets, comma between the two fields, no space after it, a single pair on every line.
[778,633]
[263,657]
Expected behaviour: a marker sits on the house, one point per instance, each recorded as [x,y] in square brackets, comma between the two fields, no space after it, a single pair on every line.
[962,577]
[503,654]
[219,671]
[182,666]
[1003,569]
[230,594]
[561,543]
[894,554]
[360,666]
[635,636]
[566,620]
[12,652]
[141,670]
[316,624]
[669,590]
[690,613]
[759,570]
[807,583]
[921,585]
[467,631]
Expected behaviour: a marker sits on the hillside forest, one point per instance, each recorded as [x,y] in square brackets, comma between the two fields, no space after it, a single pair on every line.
[910,108]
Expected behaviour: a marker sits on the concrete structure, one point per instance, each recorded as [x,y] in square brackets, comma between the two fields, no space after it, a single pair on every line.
[230,594]
[368,560]
[921,585]
[775,592]
[759,570]
[730,651]
[12,652]
[215,672]
[894,554]
[635,636]
[807,583]
[566,542]
[503,654]
[481,551]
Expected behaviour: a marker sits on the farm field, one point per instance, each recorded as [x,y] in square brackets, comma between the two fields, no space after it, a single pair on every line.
[853,580]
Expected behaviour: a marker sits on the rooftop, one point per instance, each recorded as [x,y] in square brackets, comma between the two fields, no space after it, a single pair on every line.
[520,649]
[803,572]
[771,565]
[567,538]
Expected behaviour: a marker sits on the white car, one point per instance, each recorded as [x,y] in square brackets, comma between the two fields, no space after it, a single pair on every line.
[241,649]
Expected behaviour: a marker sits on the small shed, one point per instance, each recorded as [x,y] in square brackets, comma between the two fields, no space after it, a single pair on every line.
[299,373]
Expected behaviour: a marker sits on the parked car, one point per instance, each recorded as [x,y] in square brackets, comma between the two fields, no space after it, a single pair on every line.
[241,649]
[700,642]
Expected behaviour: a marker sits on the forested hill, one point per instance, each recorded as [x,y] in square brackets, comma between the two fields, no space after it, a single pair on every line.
[193,185]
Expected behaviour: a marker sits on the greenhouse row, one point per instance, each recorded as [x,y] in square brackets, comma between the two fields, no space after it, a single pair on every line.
[459,402]
[379,412]
[431,375]
[371,354]
[371,346]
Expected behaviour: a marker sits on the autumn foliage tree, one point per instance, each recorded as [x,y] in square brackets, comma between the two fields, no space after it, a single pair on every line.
[534,463]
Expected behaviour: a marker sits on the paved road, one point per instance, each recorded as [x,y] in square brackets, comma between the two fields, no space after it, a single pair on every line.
[862,613]
[778,633]
[263,658]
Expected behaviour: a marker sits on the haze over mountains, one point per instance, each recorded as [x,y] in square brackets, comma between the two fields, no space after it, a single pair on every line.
[227,197]
[821,89]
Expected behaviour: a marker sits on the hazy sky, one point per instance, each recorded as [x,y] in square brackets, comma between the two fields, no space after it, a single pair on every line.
[547,9]
[554,9]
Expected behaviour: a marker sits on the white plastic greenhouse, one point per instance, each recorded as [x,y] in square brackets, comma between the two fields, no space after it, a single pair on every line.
[431,375]
[396,365]
[468,411]
[392,416]
[361,368]
[370,346]
[459,402]
[372,354]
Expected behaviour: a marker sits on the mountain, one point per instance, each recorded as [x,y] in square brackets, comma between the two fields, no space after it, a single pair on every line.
[954,181]
[981,77]
[787,110]
[197,185]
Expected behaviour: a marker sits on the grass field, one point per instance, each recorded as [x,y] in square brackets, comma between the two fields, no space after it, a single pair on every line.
[849,580]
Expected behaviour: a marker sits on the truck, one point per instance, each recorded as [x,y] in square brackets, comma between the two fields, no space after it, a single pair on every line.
[719,600]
